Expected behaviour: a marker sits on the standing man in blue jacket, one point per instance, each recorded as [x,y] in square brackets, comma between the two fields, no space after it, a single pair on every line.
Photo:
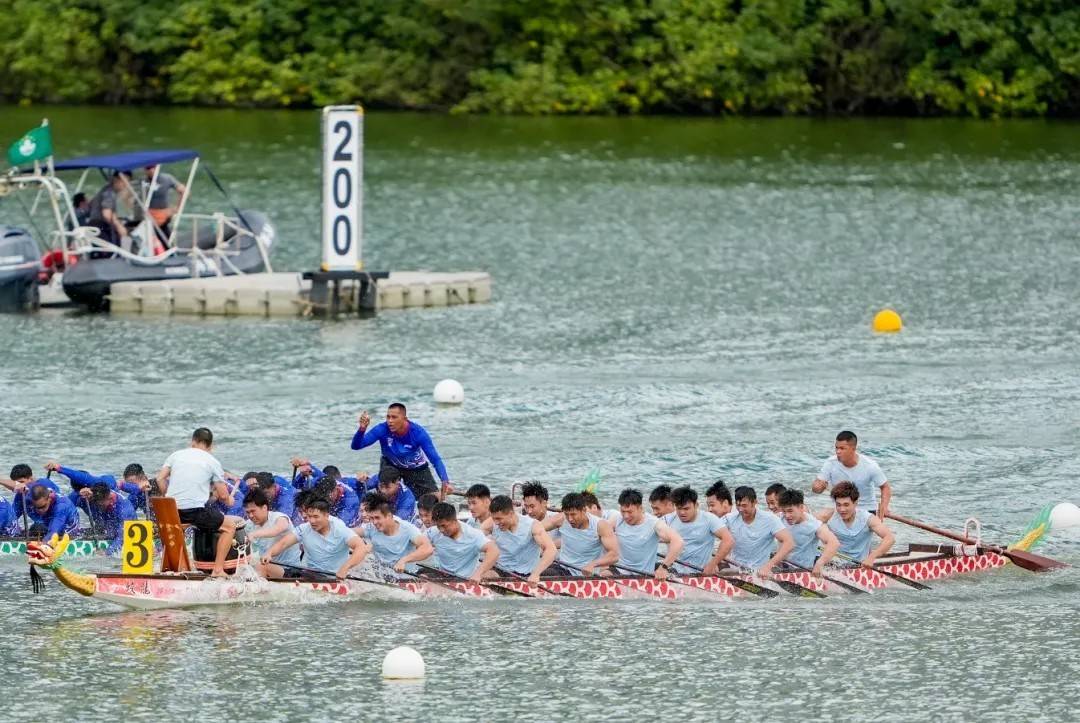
[406,448]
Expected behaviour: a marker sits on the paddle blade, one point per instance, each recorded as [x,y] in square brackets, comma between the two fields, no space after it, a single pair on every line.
[1031,561]
[799,590]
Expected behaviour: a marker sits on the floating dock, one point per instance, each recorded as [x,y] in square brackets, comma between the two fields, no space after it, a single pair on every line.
[296,294]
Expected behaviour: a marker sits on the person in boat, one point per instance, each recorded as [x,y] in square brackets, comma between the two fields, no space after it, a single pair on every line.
[330,546]
[21,481]
[104,213]
[228,499]
[160,207]
[851,466]
[589,545]
[808,533]
[51,513]
[265,528]
[110,510]
[397,543]
[81,205]
[406,447]
[344,504]
[308,475]
[282,496]
[392,487]
[458,547]
[661,503]
[478,498]
[772,498]
[534,500]
[186,477]
[640,534]
[718,499]
[699,530]
[9,521]
[525,547]
[855,526]
[424,507]
[137,486]
[132,483]
[593,507]
[748,536]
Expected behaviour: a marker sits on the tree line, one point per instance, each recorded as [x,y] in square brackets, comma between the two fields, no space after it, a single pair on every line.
[986,58]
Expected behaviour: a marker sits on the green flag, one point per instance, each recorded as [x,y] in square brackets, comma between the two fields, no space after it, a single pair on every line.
[34,146]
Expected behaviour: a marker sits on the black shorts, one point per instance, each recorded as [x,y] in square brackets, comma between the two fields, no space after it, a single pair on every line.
[203,518]
[419,480]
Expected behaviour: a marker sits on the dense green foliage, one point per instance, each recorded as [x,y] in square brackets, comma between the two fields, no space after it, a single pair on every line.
[978,57]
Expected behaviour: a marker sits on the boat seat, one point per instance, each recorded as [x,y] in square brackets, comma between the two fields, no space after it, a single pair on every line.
[174,554]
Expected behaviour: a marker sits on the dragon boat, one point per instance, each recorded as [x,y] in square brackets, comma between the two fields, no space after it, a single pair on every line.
[80,547]
[187,589]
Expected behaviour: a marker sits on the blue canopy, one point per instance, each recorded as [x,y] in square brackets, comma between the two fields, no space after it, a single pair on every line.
[127,161]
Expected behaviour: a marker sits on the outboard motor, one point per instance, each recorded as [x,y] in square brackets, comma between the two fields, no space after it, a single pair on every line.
[19,266]
[204,545]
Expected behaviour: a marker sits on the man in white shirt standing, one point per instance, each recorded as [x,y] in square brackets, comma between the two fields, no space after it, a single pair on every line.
[858,469]
[186,477]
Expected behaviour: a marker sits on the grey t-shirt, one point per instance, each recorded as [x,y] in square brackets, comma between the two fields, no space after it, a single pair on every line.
[159,193]
[105,199]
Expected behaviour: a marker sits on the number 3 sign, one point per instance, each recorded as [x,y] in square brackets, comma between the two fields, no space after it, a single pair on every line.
[138,551]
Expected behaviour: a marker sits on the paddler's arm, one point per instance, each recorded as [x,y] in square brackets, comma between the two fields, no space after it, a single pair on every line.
[886,498]
[547,551]
[487,526]
[360,550]
[783,549]
[552,521]
[163,479]
[887,538]
[433,456]
[278,528]
[279,547]
[118,539]
[830,545]
[491,557]
[674,548]
[423,551]
[727,544]
[610,543]
[365,437]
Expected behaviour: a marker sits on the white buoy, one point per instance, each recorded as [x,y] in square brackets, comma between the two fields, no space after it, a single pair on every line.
[1064,516]
[449,391]
[403,663]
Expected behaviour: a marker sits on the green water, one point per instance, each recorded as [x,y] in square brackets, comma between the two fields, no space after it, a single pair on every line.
[676,300]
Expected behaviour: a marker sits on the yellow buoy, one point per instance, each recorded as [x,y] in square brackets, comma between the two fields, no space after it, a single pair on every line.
[887,321]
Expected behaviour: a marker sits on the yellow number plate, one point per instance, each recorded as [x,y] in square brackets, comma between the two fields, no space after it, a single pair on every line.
[138,552]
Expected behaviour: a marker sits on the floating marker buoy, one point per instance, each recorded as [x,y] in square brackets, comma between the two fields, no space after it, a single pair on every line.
[887,321]
[449,391]
[1064,516]
[403,663]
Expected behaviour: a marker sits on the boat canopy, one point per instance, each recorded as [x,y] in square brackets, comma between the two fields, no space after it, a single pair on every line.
[127,161]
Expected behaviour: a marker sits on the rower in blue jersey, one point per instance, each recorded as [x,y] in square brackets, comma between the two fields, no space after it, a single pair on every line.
[662,506]
[525,548]
[458,547]
[807,532]
[344,503]
[534,500]
[133,483]
[227,498]
[110,510]
[402,500]
[718,499]
[9,525]
[478,499]
[330,546]
[855,526]
[749,535]
[265,528]
[699,530]
[589,546]
[395,542]
[52,513]
[21,481]
[282,495]
[640,534]
[406,447]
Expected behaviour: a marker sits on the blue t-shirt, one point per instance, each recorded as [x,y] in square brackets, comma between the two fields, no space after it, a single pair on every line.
[391,548]
[806,552]
[580,547]
[290,555]
[61,517]
[699,539]
[412,450]
[754,541]
[404,503]
[866,475]
[638,544]
[8,521]
[19,498]
[459,556]
[347,506]
[110,522]
[854,540]
[326,552]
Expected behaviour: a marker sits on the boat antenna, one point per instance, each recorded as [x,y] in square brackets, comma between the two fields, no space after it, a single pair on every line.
[228,198]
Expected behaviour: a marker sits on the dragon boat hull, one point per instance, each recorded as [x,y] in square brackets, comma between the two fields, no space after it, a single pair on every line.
[175,590]
[14,547]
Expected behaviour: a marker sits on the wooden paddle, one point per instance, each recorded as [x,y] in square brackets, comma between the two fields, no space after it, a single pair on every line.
[899,578]
[331,577]
[501,589]
[839,583]
[744,585]
[1026,560]
[792,588]
[525,578]
[670,578]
